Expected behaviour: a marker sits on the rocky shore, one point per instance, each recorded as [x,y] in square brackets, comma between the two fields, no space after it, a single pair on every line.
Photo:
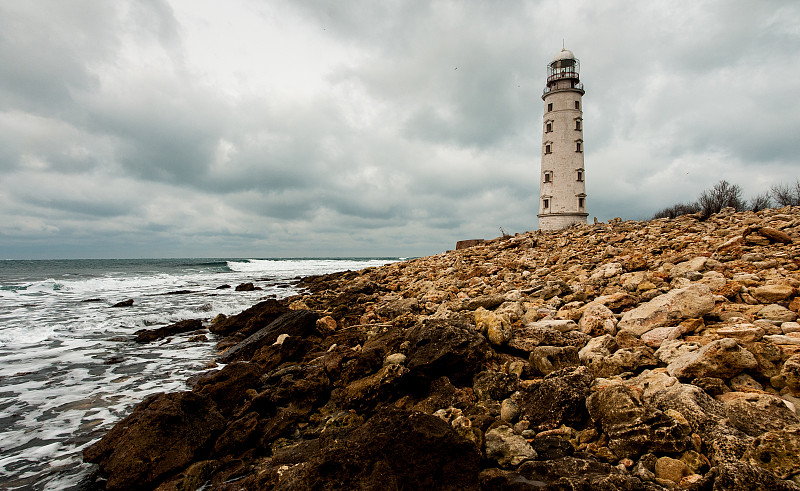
[625,355]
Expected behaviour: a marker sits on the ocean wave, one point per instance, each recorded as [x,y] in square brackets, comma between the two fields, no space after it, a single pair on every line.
[289,268]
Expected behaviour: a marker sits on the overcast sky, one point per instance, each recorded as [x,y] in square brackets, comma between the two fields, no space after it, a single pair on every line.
[271,128]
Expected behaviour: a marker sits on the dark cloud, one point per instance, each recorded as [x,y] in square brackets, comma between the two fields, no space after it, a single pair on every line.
[317,128]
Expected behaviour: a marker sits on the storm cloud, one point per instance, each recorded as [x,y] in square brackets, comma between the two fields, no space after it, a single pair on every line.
[308,128]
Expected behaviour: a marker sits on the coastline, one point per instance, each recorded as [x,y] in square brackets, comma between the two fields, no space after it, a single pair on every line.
[632,355]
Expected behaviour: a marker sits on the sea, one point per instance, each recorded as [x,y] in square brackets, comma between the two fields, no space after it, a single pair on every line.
[69,368]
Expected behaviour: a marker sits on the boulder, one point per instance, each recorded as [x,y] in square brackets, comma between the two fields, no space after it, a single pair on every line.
[507,448]
[778,313]
[777,451]
[597,319]
[496,327]
[148,335]
[668,309]
[395,449]
[164,433]
[298,323]
[559,398]
[773,293]
[449,347]
[228,386]
[741,476]
[755,413]
[124,303]
[548,359]
[633,427]
[497,386]
[396,308]
[722,358]
[251,320]
[532,335]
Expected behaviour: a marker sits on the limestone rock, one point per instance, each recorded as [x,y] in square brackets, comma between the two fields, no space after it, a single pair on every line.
[722,358]
[633,427]
[597,319]
[773,293]
[548,359]
[756,414]
[778,451]
[669,308]
[507,448]
[528,337]
[775,312]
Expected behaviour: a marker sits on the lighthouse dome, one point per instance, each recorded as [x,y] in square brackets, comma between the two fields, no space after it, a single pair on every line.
[564,54]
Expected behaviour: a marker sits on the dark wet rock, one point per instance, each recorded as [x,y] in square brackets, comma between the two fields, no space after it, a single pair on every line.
[443,394]
[549,447]
[223,287]
[395,449]
[380,387]
[251,320]
[246,287]
[124,303]
[739,476]
[179,292]
[490,384]
[228,386]
[505,480]
[449,347]
[633,427]
[164,433]
[148,335]
[239,433]
[555,469]
[299,387]
[92,300]
[559,398]
[298,323]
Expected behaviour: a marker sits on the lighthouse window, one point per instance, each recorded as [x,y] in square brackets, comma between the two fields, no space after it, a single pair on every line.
[546,203]
[549,106]
[577,104]
[548,127]
[548,177]
[580,175]
[581,202]
[578,124]
[579,146]
[547,149]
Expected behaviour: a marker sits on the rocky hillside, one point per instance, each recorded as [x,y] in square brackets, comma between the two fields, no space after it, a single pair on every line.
[625,355]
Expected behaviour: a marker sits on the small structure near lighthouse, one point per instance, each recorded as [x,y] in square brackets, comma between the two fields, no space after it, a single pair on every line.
[562,184]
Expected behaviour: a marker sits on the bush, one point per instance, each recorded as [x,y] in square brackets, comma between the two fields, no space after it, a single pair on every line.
[760,202]
[722,195]
[786,194]
[678,210]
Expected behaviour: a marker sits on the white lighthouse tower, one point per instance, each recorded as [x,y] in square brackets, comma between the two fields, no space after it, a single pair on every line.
[562,188]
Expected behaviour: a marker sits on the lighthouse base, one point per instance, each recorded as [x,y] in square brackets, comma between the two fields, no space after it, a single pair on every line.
[560,221]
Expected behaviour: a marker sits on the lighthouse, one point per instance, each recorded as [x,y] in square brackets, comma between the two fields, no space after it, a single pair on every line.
[562,184]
